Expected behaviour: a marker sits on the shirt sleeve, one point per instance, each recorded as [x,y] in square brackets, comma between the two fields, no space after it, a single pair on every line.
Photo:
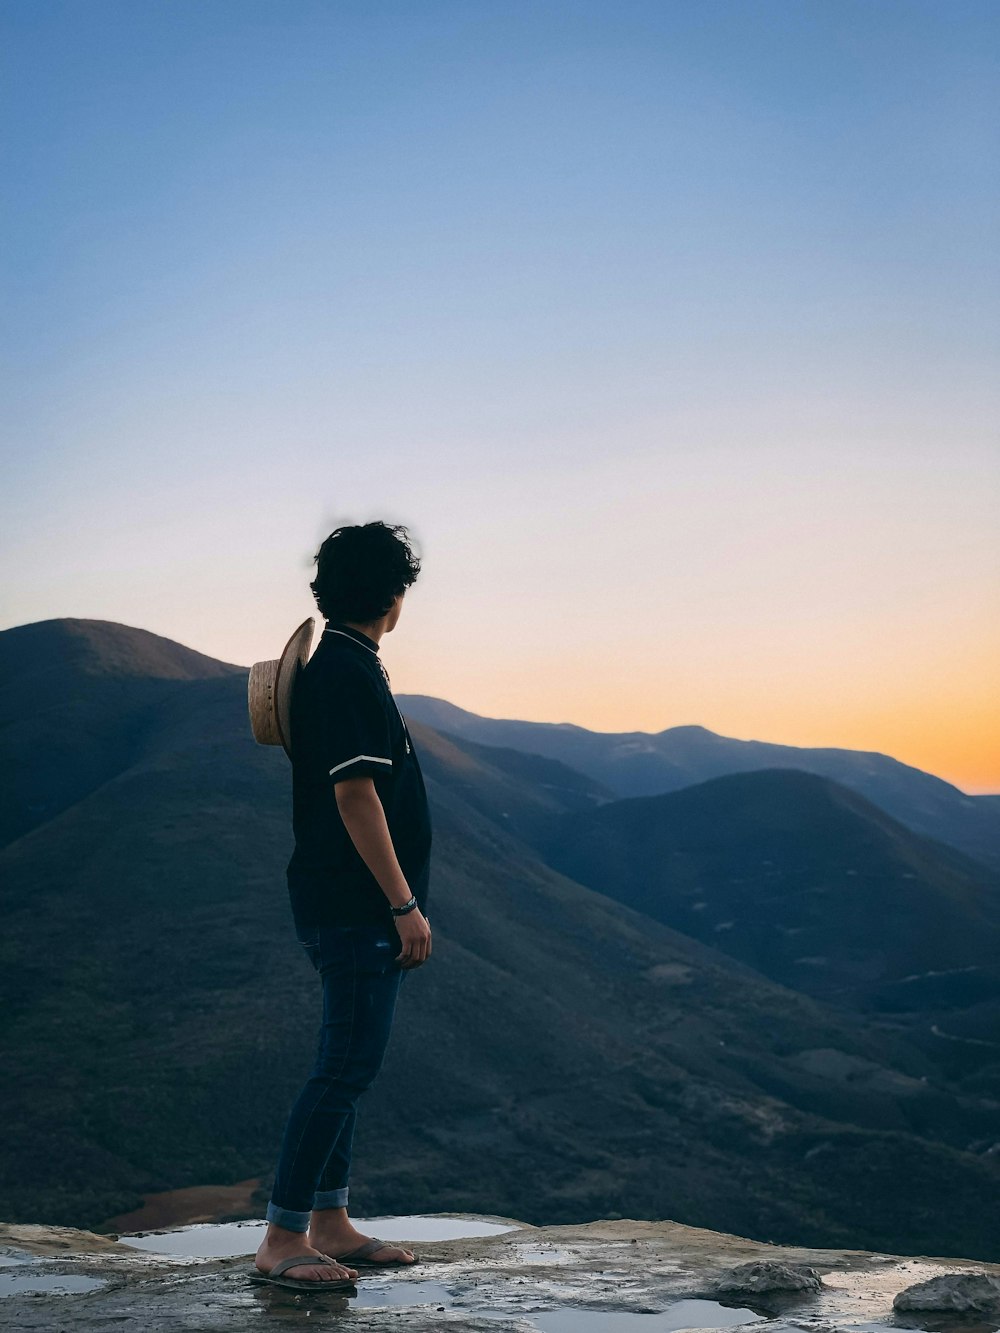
[355,736]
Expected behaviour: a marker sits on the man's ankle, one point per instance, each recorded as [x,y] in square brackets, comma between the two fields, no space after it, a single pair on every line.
[275,1232]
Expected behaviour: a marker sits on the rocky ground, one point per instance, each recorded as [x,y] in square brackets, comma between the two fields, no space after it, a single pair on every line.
[602,1277]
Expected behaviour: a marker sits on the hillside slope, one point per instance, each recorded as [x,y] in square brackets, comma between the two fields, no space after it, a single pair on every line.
[801,878]
[562,1055]
[75,697]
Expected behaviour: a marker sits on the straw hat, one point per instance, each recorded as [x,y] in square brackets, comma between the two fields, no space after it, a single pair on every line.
[269,689]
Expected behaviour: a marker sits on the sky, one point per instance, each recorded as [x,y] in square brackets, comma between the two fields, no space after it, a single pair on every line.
[669,330]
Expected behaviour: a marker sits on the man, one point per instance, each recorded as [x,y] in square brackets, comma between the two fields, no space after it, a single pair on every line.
[357,882]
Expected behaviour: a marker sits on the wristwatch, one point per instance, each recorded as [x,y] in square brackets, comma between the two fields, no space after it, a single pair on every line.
[406,907]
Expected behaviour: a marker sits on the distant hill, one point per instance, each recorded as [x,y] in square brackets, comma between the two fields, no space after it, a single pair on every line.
[75,699]
[521,792]
[804,880]
[640,763]
[562,1056]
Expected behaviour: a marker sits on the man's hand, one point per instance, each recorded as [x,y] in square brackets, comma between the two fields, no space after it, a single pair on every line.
[414,932]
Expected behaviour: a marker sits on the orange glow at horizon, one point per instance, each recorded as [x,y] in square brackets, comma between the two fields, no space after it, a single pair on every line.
[937,713]
[959,743]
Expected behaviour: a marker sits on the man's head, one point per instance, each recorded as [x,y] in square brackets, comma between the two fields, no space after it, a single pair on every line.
[362,571]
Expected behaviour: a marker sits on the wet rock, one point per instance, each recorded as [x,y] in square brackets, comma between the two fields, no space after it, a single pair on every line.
[523,1279]
[767,1275]
[960,1293]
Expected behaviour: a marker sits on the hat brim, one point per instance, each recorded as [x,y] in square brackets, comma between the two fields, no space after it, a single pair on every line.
[270,687]
[290,663]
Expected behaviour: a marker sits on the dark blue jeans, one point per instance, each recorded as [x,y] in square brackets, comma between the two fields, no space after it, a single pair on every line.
[361,981]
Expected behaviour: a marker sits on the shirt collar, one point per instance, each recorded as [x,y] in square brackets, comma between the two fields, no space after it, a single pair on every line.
[337,628]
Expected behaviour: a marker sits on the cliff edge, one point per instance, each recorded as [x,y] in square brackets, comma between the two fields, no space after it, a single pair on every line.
[594,1278]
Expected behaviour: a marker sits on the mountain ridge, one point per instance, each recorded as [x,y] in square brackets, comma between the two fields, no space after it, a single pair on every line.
[98,647]
[562,1055]
[639,763]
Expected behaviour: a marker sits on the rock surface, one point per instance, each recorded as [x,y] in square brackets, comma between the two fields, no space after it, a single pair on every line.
[584,1279]
[962,1293]
[766,1275]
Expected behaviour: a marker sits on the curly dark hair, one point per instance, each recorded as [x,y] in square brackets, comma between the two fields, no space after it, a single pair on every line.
[361,569]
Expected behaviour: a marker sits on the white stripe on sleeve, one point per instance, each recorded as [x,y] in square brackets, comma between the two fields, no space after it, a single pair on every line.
[375,758]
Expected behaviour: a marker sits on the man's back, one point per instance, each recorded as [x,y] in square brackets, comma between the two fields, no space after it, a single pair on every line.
[345,724]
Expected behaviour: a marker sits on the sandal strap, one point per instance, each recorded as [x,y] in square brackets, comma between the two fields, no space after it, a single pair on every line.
[364,1250]
[294,1259]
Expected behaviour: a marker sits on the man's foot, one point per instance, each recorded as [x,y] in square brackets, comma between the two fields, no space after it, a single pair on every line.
[338,1235]
[279,1243]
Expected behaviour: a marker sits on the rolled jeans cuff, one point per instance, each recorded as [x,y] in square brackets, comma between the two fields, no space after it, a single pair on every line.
[287,1217]
[331,1198]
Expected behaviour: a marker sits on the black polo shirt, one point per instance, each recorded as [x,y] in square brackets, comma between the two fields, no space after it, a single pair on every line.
[345,724]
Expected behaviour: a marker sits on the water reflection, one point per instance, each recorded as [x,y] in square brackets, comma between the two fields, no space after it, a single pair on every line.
[402,1293]
[681,1315]
[52,1284]
[216,1240]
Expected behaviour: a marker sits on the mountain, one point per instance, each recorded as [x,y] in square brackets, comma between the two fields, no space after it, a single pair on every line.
[807,882]
[75,699]
[639,763]
[522,792]
[562,1055]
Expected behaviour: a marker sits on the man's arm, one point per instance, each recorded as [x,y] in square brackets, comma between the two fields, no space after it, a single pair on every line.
[364,818]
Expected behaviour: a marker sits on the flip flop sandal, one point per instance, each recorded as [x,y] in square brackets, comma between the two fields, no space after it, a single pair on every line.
[359,1258]
[303,1283]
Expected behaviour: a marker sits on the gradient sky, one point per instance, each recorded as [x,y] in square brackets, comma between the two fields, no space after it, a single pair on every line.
[669,329]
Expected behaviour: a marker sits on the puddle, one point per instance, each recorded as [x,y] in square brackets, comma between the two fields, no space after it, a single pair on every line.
[683,1316]
[680,1315]
[430,1227]
[216,1240]
[52,1284]
[401,1293]
[907,1323]
[687,1314]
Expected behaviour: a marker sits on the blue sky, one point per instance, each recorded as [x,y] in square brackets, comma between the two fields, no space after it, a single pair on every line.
[675,319]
